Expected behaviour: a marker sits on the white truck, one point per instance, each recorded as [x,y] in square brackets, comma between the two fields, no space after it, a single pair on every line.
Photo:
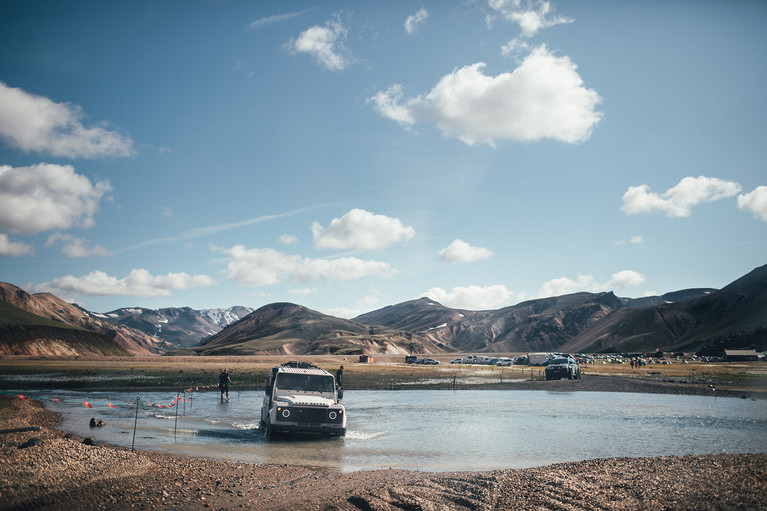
[302,398]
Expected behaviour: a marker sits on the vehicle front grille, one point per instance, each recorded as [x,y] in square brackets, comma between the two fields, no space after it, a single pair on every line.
[305,415]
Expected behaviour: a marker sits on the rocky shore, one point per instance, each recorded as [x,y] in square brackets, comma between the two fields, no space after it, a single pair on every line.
[50,470]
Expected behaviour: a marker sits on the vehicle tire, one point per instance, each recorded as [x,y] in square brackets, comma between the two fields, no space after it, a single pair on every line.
[267,430]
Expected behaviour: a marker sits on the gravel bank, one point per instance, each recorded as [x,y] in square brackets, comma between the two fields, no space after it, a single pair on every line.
[61,472]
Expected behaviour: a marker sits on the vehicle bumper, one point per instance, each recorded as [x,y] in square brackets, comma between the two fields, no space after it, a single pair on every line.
[316,429]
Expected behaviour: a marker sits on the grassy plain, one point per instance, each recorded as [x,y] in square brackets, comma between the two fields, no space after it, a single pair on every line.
[386,372]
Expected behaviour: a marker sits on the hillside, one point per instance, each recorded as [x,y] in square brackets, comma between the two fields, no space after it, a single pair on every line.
[290,329]
[24,333]
[733,317]
[535,325]
[49,306]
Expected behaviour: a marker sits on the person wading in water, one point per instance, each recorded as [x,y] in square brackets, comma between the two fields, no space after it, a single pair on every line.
[223,384]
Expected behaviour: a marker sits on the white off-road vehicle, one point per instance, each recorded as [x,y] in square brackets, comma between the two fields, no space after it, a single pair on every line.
[302,398]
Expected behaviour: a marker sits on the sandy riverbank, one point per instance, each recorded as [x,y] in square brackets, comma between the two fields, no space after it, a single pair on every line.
[64,473]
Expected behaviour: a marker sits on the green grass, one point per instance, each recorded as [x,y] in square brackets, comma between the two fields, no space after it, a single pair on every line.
[13,316]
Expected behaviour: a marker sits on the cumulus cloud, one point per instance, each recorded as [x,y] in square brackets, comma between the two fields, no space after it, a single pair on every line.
[564,286]
[139,282]
[360,229]
[679,200]
[76,247]
[14,248]
[542,98]
[412,21]
[470,297]
[35,123]
[45,196]
[530,15]
[325,44]
[461,252]
[264,266]
[755,202]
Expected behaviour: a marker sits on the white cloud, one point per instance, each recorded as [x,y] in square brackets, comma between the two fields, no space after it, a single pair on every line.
[14,248]
[264,266]
[325,44]
[35,123]
[288,239]
[587,283]
[412,21]
[625,278]
[303,291]
[470,297]
[461,252]
[530,15]
[139,282]
[635,240]
[342,312]
[47,196]
[542,98]
[269,20]
[76,247]
[755,202]
[679,200]
[361,229]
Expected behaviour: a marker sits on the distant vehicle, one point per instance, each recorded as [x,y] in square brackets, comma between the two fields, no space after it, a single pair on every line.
[520,361]
[563,367]
[411,359]
[302,398]
[538,359]
[457,361]
[429,362]
[504,362]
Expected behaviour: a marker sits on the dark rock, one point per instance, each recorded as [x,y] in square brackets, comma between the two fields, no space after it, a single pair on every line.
[30,443]
[90,441]
[96,423]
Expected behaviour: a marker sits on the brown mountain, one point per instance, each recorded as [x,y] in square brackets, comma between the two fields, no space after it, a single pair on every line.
[49,306]
[290,329]
[733,317]
[24,333]
[535,325]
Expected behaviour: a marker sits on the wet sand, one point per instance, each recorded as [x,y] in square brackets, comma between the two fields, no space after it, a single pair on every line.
[61,472]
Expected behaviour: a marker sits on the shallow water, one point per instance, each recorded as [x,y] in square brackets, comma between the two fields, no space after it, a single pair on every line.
[437,430]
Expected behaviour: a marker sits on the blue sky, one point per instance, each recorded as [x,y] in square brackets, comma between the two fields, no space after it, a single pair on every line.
[352,155]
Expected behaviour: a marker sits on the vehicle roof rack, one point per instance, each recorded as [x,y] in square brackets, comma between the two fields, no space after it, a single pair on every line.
[299,365]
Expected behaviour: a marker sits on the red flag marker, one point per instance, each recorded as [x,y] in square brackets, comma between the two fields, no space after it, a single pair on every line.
[20,396]
[111,405]
[86,403]
[55,399]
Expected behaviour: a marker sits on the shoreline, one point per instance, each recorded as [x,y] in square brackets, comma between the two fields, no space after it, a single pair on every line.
[62,472]
[589,383]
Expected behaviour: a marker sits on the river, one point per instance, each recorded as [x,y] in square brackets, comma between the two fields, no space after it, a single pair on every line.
[429,430]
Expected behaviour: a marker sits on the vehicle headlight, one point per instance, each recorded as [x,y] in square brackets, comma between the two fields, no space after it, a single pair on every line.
[285,413]
[332,415]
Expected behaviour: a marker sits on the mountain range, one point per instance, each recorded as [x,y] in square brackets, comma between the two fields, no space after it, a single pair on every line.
[705,321]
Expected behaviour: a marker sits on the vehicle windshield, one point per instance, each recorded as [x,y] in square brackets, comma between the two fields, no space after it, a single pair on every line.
[557,361]
[305,382]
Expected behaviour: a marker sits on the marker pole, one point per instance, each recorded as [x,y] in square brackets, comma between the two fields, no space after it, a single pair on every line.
[135,422]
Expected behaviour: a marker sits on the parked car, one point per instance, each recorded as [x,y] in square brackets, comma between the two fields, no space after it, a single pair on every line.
[429,362]
[563,367]
[457,361]
[411,359]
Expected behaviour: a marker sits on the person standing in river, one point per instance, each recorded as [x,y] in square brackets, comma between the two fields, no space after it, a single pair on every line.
[223,383]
